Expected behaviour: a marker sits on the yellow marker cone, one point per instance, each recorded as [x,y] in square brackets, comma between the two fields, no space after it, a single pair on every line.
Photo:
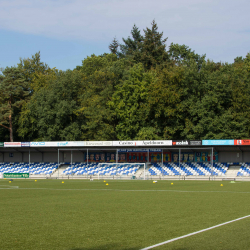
[104,181]
[62,181]
[221,185]
[9,181]
[106,184]
[35,180]
[172,183]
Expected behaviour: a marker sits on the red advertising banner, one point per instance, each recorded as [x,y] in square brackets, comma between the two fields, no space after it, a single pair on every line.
[241,142]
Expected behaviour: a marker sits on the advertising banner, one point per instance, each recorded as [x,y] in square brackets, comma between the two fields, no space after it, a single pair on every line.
[217,142]
[157,157]
[195,143]
[12,144]
[1,144]
[143,143]
[100,157]
[180,143]
[16,175]
[124,143]
[154,143]
[98,143]
[194,157]
[139,150]
[241,142]
[43,144]
[25,144]
[70,143]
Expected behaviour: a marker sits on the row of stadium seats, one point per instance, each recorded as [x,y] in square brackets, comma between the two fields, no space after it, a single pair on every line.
[36,168]
[101,169]
[171,168]
[244,169]
[193,168]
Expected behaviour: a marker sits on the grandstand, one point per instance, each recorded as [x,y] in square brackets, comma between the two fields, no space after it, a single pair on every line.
[141,160]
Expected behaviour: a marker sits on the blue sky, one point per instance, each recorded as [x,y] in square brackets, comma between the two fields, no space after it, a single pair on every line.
[66,32]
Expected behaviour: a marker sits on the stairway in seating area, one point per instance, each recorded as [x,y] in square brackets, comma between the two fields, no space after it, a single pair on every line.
[232,171]
[61,169]
[140,173]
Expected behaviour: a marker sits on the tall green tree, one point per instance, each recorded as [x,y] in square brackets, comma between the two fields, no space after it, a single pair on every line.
[154,47]
[101,74]
[51,113]
[13,91]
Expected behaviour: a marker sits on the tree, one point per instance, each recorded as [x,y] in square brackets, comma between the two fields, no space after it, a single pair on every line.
[150,49]
[13,91]
[154,48]
[129,103]
[101,74]
[114,47]
[51,113]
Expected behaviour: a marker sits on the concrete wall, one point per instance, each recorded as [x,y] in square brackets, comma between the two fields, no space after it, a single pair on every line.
[230,156]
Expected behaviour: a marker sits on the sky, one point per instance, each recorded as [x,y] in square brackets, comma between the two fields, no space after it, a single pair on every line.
[67,31]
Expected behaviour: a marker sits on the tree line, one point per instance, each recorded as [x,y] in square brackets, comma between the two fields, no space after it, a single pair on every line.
[141,90]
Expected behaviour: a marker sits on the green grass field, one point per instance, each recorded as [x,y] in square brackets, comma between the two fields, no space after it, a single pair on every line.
[91,215]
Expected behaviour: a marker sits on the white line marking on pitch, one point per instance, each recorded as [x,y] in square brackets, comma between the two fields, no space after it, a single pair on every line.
[187,235]
[8,187]
[127,190]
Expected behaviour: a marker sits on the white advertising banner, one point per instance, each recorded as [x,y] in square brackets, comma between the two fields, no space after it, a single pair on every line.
[12,144]
[124,143]
[71,143]
[43,144]
[98,143]
[143,143]
[57,143]
[154,143]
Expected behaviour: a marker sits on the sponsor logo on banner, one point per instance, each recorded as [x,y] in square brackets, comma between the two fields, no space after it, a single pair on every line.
[25,144]
[37,144]
[99,143]
[154,143]
[1,144]
[12,144]
[139,150]
[195,143]
[217,142]
[181,143]
[70,143]
[62,144]
[124,143]
[241,142]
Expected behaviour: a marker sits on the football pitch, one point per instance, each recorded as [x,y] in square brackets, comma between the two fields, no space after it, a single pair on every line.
[131,214]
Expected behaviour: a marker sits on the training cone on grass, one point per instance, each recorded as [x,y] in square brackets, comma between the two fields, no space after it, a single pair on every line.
[62,181]
[221,185]
[172,183]
[107,184]
[154,181]
[35,180]
[104,181]
[9,181]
